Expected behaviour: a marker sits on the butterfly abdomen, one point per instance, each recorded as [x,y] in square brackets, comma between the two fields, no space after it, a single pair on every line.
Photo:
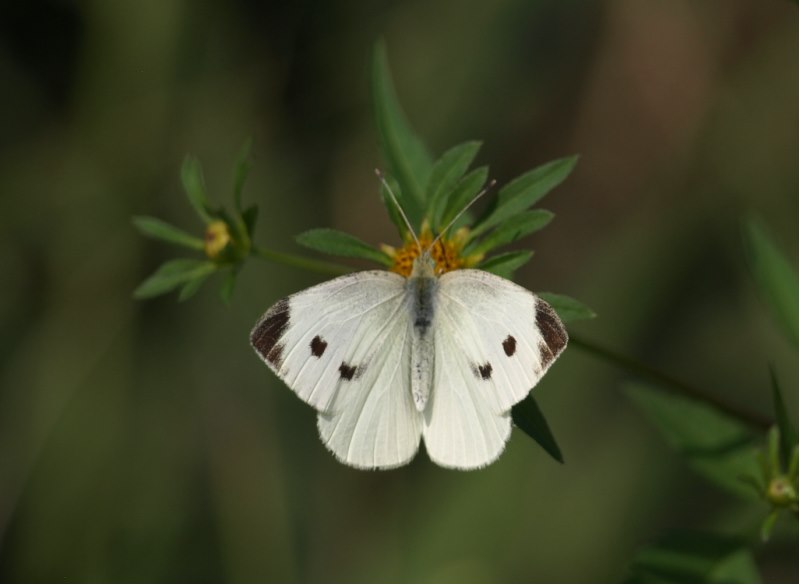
[421,291]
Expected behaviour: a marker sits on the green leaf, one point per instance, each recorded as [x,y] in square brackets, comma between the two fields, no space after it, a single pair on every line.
[525,191]
[173,274]
[567,308]
[506,264]
[228,284]
[767,525]
[714,444]
[529,418]
[464,192]
[195,187]
[446,173]
[788,434]
[189,289]
[160,230]
[341,244]
[774,276]
[406,157]
[690,557]
[391,207]
[241,172]
[249,217]
[519,226]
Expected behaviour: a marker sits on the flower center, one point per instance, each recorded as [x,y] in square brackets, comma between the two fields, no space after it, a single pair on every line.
[445,253]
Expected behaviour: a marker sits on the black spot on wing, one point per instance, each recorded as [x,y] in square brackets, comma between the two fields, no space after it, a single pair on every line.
[510,345]
[551,328]
[269,330]
[346,371]
[483,372]
[318,346]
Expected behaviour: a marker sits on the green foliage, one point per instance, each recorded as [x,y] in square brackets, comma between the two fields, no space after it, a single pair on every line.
[406,157]
[568,309]
[465,191]
[786,430]
[391,208]
[228,284]
[506,264]
[161,230]
[525,191]
[690,557]
[519,226]
[227,240]
[721,448]
[241,171]
[340,243]
[446,173]
[195,186]
[173,274]
[774,276]
[528,417]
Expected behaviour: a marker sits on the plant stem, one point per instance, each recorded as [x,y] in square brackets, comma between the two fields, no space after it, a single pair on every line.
[319,266]
[648,373]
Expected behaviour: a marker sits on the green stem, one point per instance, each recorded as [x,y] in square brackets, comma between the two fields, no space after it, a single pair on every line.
[300,262]
[648,373]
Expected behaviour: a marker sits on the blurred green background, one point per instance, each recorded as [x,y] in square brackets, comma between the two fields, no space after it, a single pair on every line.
[145,441]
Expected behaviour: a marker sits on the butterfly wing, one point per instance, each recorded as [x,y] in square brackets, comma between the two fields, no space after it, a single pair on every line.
[343,347]
[494,340]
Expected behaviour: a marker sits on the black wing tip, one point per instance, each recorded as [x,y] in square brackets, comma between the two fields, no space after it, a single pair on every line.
[552,329]
[268,330]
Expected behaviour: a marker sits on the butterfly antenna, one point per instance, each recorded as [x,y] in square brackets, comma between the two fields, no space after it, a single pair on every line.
[483,192]
[379,173]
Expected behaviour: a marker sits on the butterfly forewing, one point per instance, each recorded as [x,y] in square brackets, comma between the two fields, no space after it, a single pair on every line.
[494,341]
[343,346]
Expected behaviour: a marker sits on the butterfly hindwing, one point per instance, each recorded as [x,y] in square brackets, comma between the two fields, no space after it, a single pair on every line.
[494,341]
[342,347]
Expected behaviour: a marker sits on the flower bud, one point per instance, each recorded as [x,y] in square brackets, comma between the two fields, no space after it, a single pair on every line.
[217,238]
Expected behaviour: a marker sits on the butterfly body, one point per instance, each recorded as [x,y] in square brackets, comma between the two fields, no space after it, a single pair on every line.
[390,362]
[421,291]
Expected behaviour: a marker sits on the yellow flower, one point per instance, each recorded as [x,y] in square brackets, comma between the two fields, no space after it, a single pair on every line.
[447,252]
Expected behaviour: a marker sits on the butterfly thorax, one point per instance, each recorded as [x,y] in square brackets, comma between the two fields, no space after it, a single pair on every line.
[421,290]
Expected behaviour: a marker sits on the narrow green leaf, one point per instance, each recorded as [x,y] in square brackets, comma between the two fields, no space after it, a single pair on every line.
[788,434]
[173,274]
[691,557]
[249,217]
[464,192]
[195,187]
[567,308]
[529,418]
[774,276]
[406,156]
[522,224]
[341,244]
[391,208]
[767,525]
[714,444]
[525,191]
[446,173]
[161,230]
[190,288]
[240,174]
[228,284]
[506,264]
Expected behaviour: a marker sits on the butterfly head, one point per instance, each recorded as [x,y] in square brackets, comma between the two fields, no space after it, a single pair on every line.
[424,266]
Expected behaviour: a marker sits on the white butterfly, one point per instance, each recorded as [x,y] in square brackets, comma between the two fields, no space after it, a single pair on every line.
[388,361]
